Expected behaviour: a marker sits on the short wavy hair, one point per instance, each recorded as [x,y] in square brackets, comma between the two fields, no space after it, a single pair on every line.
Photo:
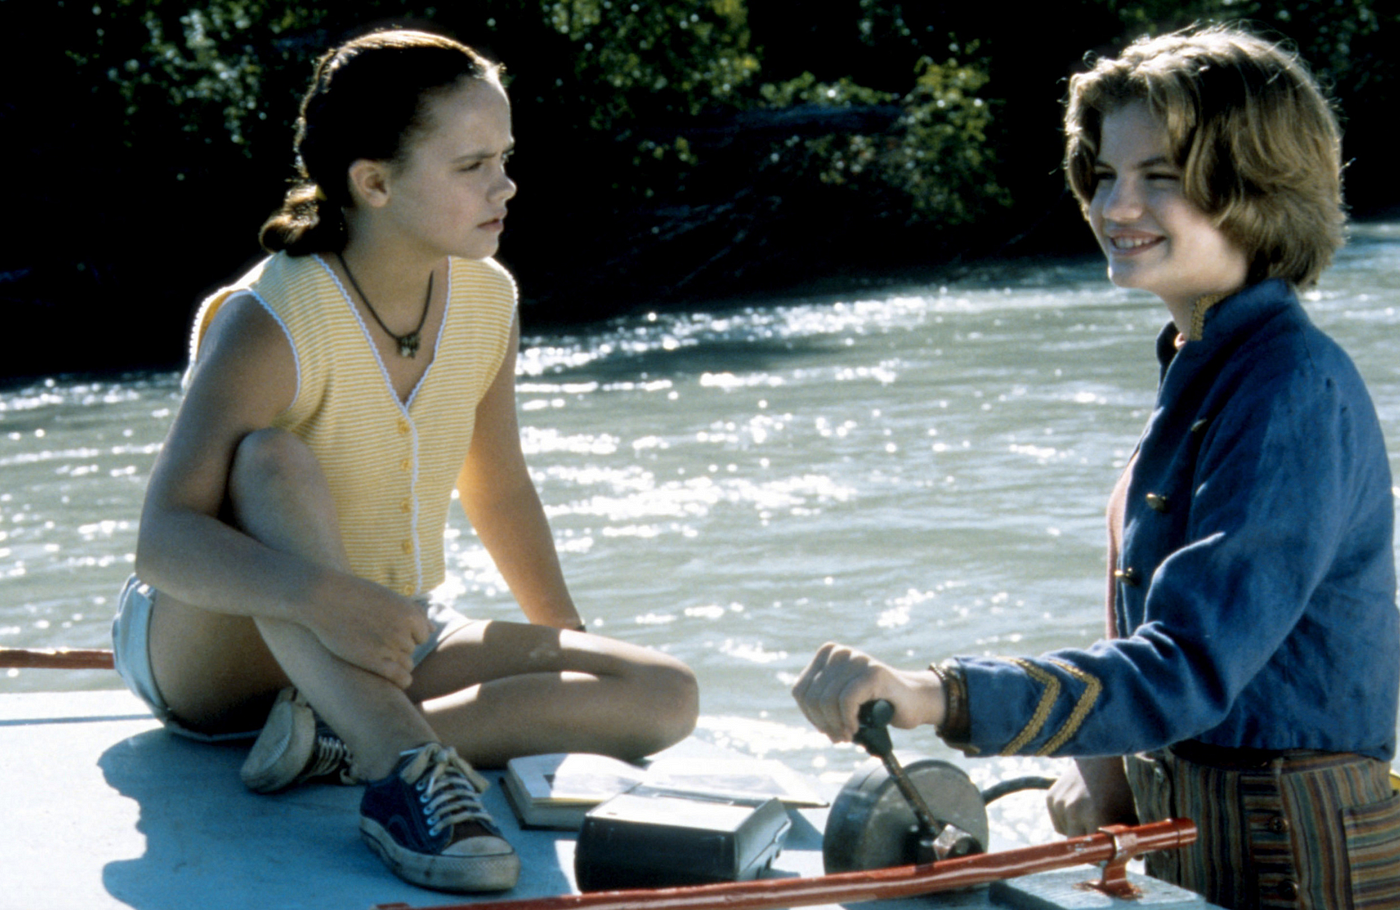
[1256,139]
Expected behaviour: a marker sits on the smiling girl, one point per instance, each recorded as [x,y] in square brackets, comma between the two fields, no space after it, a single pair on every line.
[293,525]
[1250,673]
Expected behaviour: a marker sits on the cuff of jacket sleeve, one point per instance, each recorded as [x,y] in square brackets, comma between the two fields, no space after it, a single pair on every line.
[956,728]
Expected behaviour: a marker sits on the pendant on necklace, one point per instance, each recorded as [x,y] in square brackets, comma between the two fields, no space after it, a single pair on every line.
[408,344]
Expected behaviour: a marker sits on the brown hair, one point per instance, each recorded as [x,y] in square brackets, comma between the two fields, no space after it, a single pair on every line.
[368,99]
[1257,142]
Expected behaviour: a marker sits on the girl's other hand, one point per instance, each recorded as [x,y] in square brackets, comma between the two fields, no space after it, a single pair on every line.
[1092,793]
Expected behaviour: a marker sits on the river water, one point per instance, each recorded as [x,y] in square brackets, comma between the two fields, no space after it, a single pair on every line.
[921,473]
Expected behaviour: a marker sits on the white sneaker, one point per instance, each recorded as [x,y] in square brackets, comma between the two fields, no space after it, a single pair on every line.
[294,747]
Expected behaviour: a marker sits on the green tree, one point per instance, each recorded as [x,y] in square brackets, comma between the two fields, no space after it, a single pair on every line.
[932,163]
[666,147]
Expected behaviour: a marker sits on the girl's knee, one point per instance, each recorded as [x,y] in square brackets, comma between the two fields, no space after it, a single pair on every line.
[674,696]
[272,469]
[270,455]
[278,494]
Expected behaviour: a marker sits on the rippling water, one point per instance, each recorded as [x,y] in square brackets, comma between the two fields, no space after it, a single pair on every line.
[921,474]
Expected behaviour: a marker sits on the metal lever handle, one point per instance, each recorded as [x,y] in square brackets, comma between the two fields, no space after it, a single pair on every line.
[874,736]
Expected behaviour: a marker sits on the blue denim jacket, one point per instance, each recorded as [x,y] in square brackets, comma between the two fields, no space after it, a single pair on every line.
[1255,598]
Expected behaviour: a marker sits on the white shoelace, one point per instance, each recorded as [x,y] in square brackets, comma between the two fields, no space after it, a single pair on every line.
[330,755]
[449,789]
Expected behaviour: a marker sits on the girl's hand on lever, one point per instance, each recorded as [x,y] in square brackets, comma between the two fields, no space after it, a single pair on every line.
[840,679]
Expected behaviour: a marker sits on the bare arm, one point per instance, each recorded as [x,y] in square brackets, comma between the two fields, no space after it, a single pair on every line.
[244,377]
[501,502]
[187,546]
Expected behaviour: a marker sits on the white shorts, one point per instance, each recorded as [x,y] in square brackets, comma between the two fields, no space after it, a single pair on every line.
[131,651]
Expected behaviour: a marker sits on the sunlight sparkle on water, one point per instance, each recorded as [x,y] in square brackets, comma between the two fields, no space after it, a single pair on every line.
[920,475]
[750,652]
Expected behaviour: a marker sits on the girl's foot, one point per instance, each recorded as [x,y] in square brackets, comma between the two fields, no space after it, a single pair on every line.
[294,747]
[427,823]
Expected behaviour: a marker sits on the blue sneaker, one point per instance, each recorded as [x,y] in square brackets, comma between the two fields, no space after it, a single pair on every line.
[427,823]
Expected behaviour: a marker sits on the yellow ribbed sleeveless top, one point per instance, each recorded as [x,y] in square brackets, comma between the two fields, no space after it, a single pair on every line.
[391,466]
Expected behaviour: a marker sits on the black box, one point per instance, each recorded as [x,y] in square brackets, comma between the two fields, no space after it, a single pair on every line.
[652,838]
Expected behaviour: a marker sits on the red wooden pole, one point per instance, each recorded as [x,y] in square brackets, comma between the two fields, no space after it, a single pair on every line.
[1114,846]
[56,658]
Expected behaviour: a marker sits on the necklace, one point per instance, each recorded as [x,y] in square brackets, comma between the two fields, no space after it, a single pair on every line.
[408,344]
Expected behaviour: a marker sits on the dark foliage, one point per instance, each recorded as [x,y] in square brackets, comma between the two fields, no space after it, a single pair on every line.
[668,151]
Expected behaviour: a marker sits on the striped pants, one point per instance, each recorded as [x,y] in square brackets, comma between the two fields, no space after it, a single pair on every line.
[1307,830]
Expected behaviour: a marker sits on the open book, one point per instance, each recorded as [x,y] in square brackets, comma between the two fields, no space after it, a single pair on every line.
[556,790]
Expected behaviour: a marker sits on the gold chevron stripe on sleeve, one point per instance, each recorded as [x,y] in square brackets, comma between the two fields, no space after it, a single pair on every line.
[1092,688]
[1042,710]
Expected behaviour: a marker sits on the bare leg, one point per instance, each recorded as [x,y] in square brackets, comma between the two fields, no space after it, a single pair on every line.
[495,690]
[278,496]
[214,670]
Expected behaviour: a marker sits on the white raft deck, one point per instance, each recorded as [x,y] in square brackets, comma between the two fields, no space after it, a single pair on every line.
[106,810]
